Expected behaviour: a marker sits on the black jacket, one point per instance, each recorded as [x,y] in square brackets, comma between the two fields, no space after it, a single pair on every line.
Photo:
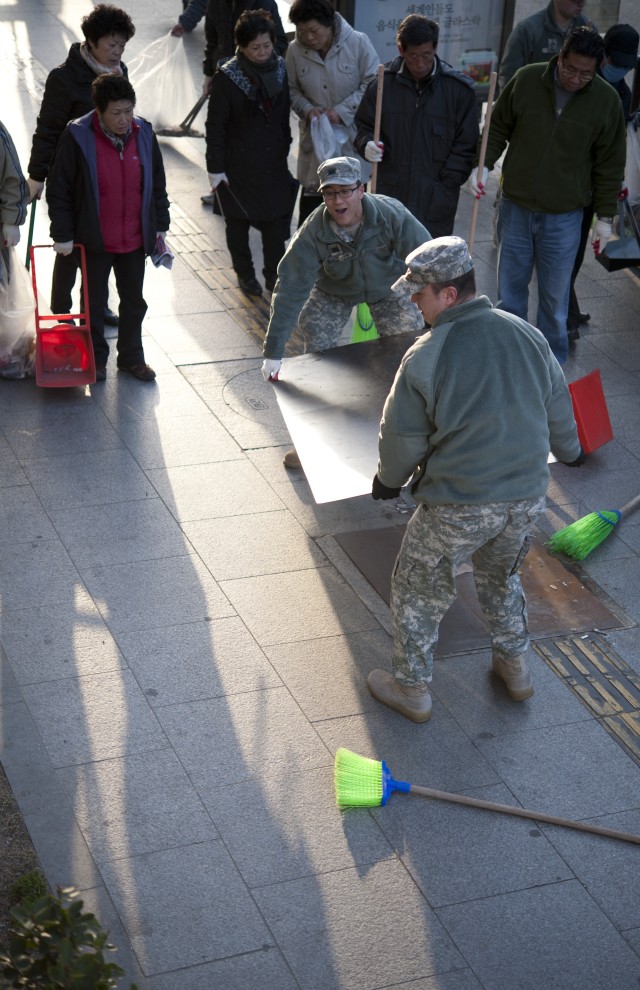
[67,95]
[72,189]
[430,136]
[250,143]
[220,21]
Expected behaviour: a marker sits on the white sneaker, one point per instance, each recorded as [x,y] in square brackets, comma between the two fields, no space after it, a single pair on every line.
[412,702]
[516,676]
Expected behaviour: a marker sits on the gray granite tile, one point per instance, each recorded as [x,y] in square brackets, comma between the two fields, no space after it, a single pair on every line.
[264,968]
[437,754]
[632,937]
[88,479]
[241,737]
[93,718]
[299,605]
[34,574]
[12,475]
[152,593]
[198,660]
[79,429]
[470,853]
[136,804]
[260,543]
[119,532]
[194,492]
[164,299]
[575,770]
[626,642]
[359,928]
[607,868]
[481,706]
[282,828]
[124,399]
[59,641]
[198,439]
[328,677]
[10,693]
[62,852]
[619,578]
[460,979]
[184,907]
[22,517]
[26,762]
[202,337]
[553,936]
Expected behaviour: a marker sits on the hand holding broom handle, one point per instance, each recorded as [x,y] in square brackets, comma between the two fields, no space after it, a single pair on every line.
[365,783]
[376,125]
[483,150]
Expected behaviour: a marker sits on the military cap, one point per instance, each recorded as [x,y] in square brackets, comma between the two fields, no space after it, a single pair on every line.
[439,260]
[339,172]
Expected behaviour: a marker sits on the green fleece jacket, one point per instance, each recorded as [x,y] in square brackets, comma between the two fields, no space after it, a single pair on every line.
[363,271]
[475,407]
[558,164]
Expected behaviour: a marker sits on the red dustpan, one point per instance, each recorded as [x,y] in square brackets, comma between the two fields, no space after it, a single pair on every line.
[590,411]
[64,353]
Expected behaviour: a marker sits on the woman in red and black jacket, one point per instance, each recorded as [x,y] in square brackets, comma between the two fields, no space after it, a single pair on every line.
[107,190]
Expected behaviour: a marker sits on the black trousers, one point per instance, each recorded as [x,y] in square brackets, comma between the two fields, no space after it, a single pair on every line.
[573,318]
[274,234]
[129,272]
[307,204]
[65,271]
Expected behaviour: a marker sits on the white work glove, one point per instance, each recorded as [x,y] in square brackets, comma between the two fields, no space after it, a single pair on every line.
[11,235]
[373,152]
[215,178]
[35,188]
[63,247]
[477,186]
[270,369]
[600,236]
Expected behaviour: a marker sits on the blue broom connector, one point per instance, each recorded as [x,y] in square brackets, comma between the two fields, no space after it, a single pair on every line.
[389,785]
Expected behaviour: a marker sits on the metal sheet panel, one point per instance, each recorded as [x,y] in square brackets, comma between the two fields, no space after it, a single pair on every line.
[332,403]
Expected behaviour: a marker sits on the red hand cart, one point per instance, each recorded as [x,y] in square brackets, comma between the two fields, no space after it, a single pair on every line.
[64,353]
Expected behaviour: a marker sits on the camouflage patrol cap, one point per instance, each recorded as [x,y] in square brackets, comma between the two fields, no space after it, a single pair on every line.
[438,260]
[339,172]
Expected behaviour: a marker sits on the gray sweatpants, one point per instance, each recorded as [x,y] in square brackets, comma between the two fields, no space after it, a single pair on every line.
[495,536]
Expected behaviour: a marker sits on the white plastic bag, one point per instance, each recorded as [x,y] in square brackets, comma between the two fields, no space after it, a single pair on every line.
[162,80]
[327,138]
[17,324]
[632,170]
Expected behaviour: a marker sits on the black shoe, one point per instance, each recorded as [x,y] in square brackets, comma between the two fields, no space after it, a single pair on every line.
[573,334]
[208,200]
[584,317]
[101,374]
[270,282]
[110,318]
[141,371]
[250,285]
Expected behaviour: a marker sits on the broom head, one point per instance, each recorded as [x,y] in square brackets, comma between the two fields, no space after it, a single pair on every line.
[581,537]
[363,783]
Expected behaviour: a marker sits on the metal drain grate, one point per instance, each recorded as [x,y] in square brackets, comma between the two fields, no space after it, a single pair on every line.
[603,681]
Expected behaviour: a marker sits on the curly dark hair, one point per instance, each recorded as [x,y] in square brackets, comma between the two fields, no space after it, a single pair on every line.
[322,11]
[250,24]
[106,19]
[108,87]
[583,41]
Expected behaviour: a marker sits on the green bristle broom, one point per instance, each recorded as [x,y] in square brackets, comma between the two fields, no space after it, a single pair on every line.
[582,536]
[364,783]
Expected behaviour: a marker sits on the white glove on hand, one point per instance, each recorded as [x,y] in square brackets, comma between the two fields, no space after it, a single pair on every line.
[11,235]
[600,236]
[373,152]
[215,178]
[270,369]
[35,188]
[63,247]
[477,186]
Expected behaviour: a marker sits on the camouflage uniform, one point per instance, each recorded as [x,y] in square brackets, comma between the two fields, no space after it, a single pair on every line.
[437,540]
[323,319]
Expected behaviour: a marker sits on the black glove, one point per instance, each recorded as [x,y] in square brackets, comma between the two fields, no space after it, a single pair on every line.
[579,461]
[378,490]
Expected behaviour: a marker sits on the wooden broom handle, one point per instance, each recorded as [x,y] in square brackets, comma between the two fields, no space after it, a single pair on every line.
[522,813]
[483,150]
[376,124]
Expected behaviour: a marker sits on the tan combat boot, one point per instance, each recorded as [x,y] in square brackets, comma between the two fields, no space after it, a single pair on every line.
[412,702]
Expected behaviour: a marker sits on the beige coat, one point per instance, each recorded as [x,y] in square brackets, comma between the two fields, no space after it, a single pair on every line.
[337,82]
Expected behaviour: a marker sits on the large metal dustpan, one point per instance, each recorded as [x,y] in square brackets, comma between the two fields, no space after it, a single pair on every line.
[64,352]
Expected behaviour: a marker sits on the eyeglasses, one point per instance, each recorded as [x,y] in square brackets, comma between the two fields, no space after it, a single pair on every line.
[576,74]
[338,193]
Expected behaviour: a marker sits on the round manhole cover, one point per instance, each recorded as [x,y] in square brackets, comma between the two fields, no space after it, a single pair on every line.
[248,395]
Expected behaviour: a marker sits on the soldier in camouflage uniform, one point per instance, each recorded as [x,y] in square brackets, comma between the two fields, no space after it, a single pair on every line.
[348,251]
[476,406]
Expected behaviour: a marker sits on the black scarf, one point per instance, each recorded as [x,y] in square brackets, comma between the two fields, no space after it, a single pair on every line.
[263,77]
